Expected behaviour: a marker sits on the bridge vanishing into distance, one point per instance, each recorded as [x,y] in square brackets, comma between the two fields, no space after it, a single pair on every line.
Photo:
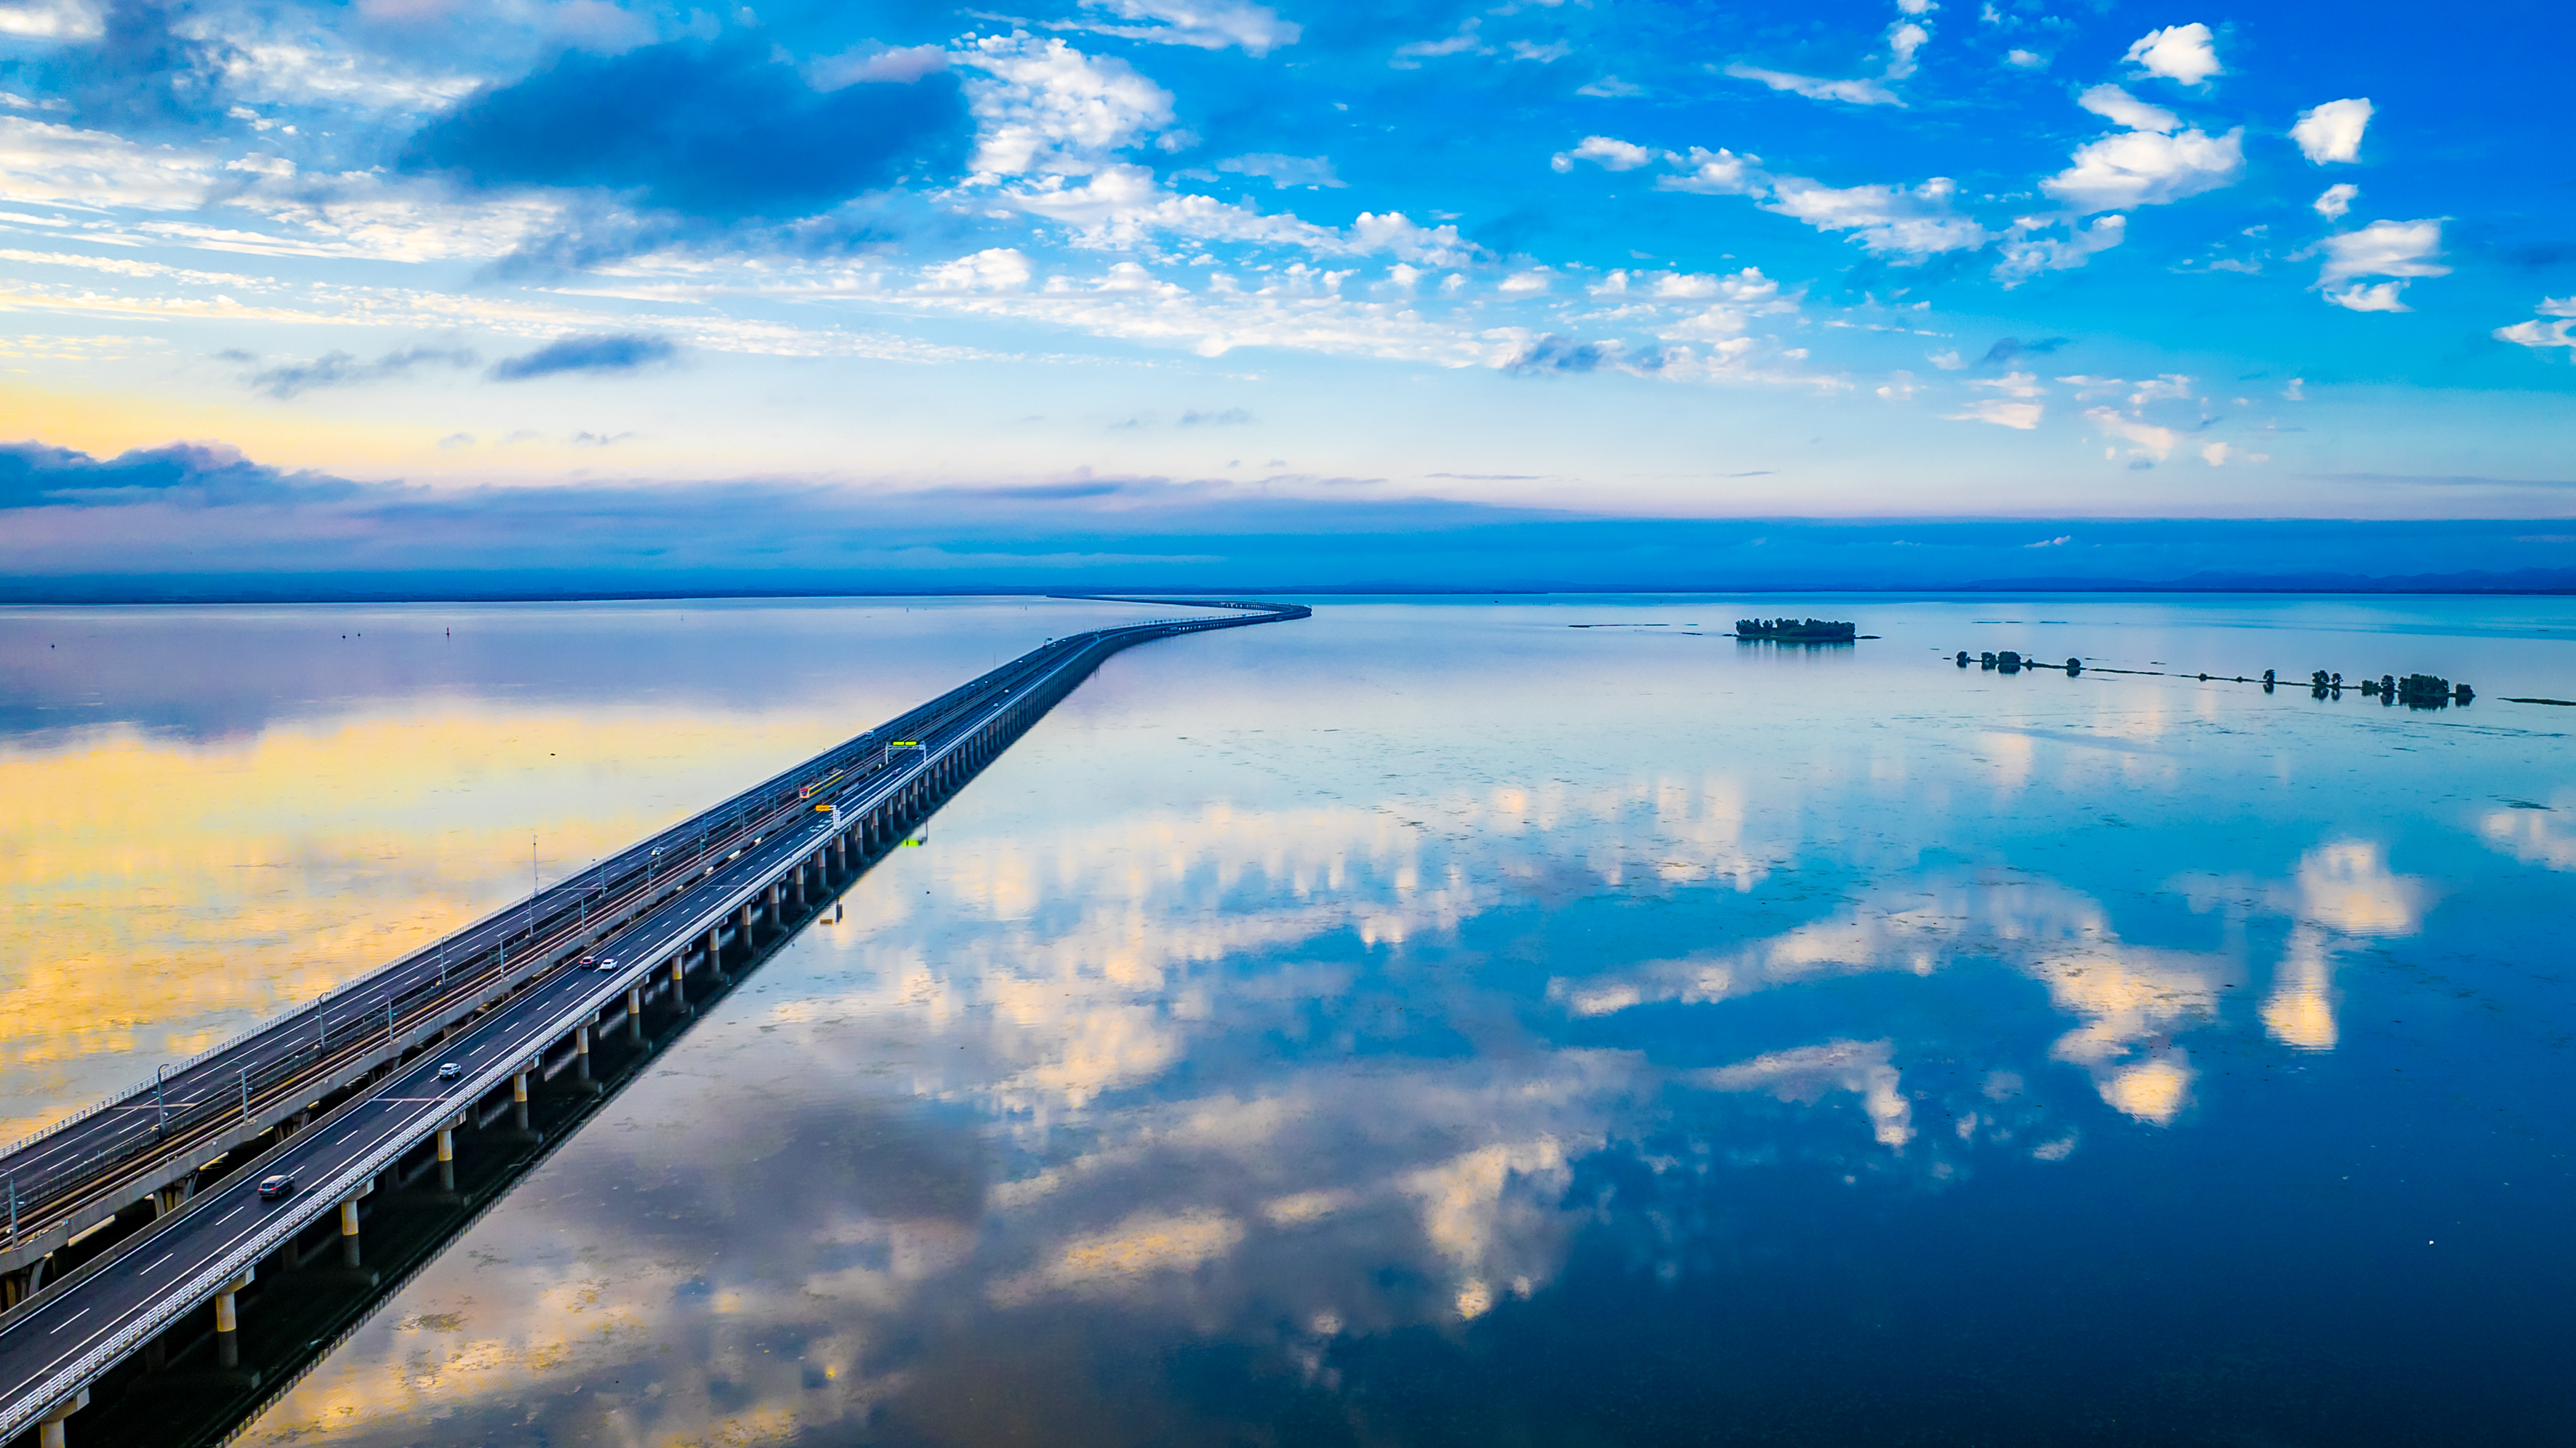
[138,1255]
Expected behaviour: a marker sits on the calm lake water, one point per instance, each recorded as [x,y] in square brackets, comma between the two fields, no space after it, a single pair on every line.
[1454,1022]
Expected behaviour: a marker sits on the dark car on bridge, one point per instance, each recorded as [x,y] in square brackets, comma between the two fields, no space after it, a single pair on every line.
[273,1187]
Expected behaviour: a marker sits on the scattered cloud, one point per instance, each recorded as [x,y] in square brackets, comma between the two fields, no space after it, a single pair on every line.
[1041,106]
[187,474]
[2332,132]
[1609,87]
[2539,335]
[2002,412]
[1851,92]
[2337,199]
[2405,250]
[1889,220]
[2146,440]
[46,163]
[2370,297]
[1464,42]
[1716,173]
[1540,356]
[2007,350]
[340,369]
[1609,153]
[2179,52]
[2124,109]
[2029,250]
[720,130]
[1257,29]
[874,62]
[1283,171]
[2147,168]
[50,20]
[994,269]
[601,352]
[1903,40]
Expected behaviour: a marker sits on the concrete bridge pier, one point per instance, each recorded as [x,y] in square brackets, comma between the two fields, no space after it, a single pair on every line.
[519,1100]
[635,1014]
[17,1287]
[349,1232]
[447,1160]
[679,984]
[49,1428]
[228,1322]
[581,1053]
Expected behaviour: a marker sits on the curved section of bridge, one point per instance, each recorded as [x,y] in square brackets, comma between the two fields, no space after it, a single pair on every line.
[139,1212]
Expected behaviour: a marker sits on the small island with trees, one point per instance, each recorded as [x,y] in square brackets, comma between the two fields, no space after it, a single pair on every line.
[1796,630]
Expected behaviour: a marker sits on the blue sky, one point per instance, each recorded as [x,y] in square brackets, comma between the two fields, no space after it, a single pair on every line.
[920,289]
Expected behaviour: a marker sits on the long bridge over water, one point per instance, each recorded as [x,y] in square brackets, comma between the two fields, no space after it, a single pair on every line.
[138,1255]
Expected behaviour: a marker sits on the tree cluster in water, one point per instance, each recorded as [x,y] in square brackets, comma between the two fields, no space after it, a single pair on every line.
[1797,630]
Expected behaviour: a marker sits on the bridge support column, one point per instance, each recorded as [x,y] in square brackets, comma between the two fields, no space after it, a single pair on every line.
[744,932]
[581,1053]
[519,1099]
[49,1428]
[228,1323]
[349,1233]
[447,1159]
[635,1014]
[679,985]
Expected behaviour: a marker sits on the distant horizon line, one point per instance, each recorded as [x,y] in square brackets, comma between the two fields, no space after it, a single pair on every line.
[126,594]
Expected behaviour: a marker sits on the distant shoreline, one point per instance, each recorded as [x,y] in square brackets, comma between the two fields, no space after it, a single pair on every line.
[86,592]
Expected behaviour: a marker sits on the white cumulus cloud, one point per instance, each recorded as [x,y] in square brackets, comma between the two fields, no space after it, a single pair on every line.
[2337,199]
[2332,132]
[2539,335]
[1890,220]
[2028,250]
[56,20]
[996,269]
[1043,106]
[2405,250]
[2177,52]
[1716,173]
[2370,297]
[1609,153]
[2124,109]
[1903,40]
[2147,168]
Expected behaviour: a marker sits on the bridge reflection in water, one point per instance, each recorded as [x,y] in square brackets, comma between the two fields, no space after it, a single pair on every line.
[148,1288]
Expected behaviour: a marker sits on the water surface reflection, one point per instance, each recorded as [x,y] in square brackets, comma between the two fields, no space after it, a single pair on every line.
[1434,1024]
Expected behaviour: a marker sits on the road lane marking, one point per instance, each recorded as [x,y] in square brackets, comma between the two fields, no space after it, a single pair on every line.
[164,1257]
[68,1321]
